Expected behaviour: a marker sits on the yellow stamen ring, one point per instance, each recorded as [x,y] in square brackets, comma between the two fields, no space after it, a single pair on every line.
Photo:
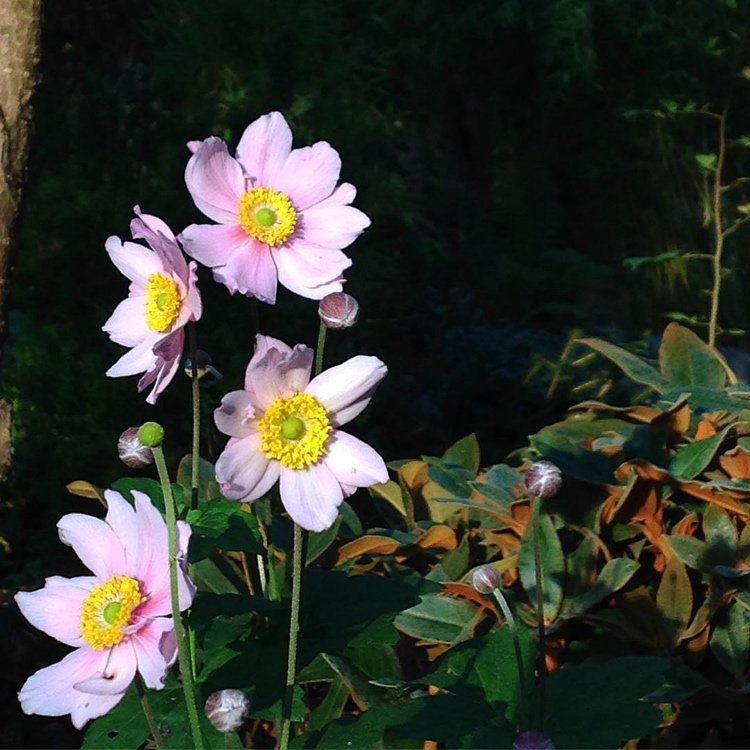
[267,216]
[163,302]
[107,610]
[294,431]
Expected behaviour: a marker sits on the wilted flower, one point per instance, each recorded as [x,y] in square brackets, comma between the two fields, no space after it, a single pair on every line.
[132,451]
[485,579]
[543,479]
[162,298]
[114,618]
[338,310]
[280,216]
[284,426]
[227,709]
[533,741]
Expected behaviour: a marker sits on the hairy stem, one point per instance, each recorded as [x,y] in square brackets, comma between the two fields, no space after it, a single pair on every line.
[538,577]
[148,713]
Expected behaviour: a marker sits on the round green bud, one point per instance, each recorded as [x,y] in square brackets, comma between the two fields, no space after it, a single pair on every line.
[151,434]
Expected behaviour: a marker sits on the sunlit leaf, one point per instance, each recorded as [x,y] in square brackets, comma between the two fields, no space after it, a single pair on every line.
[686,359]
[634,367]
[439,619]
[674,598]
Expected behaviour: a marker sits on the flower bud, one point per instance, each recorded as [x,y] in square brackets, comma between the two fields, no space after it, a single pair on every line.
[485,579]
[338,310]
[203,362]
[227,709]
[543,479]
[132,451]
[533,741]
[151,434]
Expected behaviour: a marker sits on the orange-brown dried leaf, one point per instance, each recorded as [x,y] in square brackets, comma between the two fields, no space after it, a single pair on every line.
[705,429]
[438,537]
[736,463]
[366,545]
[414,474]
[688,525]
[465,591]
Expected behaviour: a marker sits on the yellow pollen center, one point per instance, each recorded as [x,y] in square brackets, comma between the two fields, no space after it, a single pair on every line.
[163,302]
[294,431]
[267,216]
[107,611]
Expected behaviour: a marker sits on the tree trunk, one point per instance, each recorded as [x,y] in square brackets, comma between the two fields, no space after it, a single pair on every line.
[19,62]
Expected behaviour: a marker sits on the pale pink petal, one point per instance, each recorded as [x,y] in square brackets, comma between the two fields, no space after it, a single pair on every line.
[311,496]
[310,270]
[50,691]
[309,175]
[139,359]
[151,568]
[335,227]
[354,463]
[278,373]
[168,354]
[134,261]
[56,609]
[127,324]
[264,147]
[162,240]
[95,543]
[121,519]
[243,471]
[215,181]
[193,146]
[250,270]
[116,675]
[345,390]
[343,195]
[193,304]
[148,644]
[234,415]
[213,244]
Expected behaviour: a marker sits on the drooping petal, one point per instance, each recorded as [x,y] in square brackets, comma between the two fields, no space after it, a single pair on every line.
[264,148]
[334,227]
[309,175]
[116,675]
[311,496]
[215,181]
[193,304]
[213,244]
[243,471]
[309,270]
[162,240]
[234,414]
[250,270]
[56,609]
[354,463]
[50,691]
[345,390]
[153,659]
[127,324]
[168,353]
[278,373]
[121,519]
[95,543]
[134,261]
[139,359]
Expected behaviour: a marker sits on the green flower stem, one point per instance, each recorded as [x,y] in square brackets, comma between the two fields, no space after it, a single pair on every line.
[148,713]
[511,623]
[291,668]
[542,668]
[182,654]
[319,349]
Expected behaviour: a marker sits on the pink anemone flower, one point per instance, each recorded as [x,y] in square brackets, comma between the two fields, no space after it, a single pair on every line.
[284,426]
[280,216]
[162,298]
[115,618]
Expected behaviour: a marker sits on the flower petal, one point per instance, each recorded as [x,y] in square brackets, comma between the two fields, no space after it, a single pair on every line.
[213,244]
[264,147]
[127,324]
[215,181]
[234,414]
[155,650]
[250,270]
[50,691]
[333,227]
[279,372]
[116,675]
[139,359]
[354,463]
[243,471]
[134,261]
[121,519]
[162,240]
[345,390]
[343,195]
[309,175]
[56,609]
[168,353]
[95,543]
[311,496]
[310,270]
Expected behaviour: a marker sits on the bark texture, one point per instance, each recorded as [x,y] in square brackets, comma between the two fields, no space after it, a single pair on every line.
[20,22]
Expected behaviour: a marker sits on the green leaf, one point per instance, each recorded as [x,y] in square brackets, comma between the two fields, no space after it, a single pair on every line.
[571,457]
[614,575]
[208,487]
[634,367]
[685,359]
[553,565]
[674,598]
[464,453]
[123,727]
[690,550]
[703,399]
[331,706]
[319,542]
[150,487]
[439,619]
[730,640]
[721,536]
[707,162]
[595,706]
[693,459]
[223,524]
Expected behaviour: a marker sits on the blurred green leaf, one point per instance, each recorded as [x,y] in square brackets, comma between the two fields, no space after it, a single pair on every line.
[730,640]
[685,359]
[634,367]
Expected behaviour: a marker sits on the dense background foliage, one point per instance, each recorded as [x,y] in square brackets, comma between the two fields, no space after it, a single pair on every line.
[508,154]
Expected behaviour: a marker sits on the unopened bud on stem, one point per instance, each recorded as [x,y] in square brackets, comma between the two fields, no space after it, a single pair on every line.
[338,310]
[227,709]
[485,579]
[543,479]
[132,451]
[151,434]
